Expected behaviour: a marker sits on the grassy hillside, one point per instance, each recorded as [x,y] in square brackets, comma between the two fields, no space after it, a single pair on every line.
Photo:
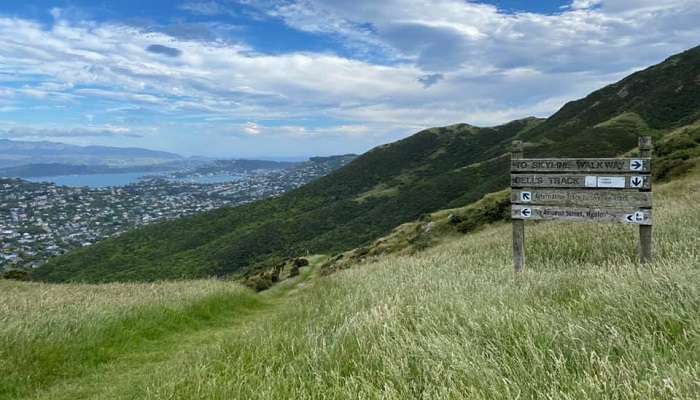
[677,153]
[657,98]
[50,334]
[584,321]
[435,169]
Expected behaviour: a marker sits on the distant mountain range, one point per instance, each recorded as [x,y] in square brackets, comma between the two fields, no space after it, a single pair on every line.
[25,159]
[218,167]
[56,169]
[15,153]
[179,169]
[435,169]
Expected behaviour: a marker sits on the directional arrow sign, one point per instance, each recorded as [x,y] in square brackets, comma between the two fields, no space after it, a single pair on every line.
[583,197]
[636,181]
[574,181]
[583,214]
[590,165]
[638,217]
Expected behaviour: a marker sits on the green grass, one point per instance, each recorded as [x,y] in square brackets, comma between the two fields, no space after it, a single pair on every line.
[585,321]
[428,231]
[53,333]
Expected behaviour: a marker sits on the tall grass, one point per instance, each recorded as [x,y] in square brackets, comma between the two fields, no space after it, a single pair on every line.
[585,321]
[50,333]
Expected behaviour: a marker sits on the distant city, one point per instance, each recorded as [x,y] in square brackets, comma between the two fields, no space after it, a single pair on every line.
[40,220]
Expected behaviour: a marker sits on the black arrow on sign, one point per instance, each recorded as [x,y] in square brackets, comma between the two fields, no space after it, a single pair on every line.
[629,217]
[525,212]
[636,164]
[636,182]
[526,196]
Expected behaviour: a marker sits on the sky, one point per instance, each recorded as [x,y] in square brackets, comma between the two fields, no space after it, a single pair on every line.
[297,78]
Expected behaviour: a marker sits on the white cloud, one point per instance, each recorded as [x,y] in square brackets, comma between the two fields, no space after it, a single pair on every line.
[345,131]
[119,96]
[583,4]
[216,77]
[442,62]
[55,12]
[443,35]
[107,130]
[208,8]
[251,128]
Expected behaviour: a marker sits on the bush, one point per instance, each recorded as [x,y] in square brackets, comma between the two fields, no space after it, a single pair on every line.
[259,282]
[17,275]
[666,170]
[492,208]
[301,262]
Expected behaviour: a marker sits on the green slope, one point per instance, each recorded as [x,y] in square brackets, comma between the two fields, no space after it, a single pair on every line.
[333,213]
[583,322]
[677,153]
[435,169]
[649,102]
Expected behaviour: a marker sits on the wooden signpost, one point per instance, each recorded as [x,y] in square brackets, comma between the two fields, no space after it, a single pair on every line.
[603,190]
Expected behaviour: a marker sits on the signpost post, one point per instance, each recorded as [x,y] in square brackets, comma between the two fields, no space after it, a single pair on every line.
[645,150]
[604,190]
[518,224]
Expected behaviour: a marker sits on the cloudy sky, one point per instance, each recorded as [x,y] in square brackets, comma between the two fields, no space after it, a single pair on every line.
[292,78]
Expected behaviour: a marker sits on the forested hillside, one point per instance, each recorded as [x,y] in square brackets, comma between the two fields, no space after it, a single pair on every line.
[677,154]
[434,169]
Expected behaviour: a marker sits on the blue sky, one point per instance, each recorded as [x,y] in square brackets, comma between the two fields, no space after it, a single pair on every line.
[293,78]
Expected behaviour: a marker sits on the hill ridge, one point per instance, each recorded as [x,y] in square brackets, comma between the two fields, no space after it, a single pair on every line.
[17,152]
[425,170]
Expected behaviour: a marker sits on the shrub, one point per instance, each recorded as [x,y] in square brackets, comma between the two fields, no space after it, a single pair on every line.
[17,275]
[491,208]
[259,282]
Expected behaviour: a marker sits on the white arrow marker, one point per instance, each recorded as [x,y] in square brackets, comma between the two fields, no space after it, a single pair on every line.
[629,218]
[525,197]
[636,165]
[637,181]
[525,212]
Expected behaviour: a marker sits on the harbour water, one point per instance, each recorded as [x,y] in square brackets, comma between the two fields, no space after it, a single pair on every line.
[123,179]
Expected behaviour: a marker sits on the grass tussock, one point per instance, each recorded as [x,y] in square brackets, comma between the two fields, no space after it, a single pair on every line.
[584,322]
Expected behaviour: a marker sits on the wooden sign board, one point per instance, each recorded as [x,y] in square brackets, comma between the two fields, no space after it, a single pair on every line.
[581,181]
[593,165]
[582,214]
[582,197]
[594,190]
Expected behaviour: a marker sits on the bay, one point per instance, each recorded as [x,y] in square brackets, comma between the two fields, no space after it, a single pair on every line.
[123,179]
[91,180]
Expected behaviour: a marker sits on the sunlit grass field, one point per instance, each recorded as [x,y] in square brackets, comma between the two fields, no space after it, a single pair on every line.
[585,321]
